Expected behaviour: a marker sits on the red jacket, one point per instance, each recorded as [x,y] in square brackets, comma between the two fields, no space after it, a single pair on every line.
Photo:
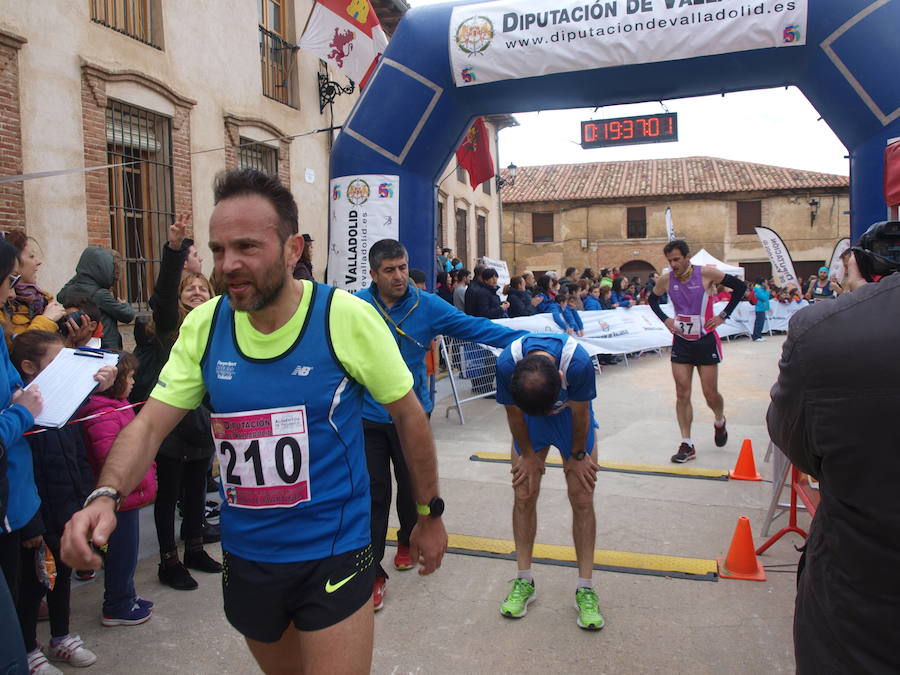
[99,434]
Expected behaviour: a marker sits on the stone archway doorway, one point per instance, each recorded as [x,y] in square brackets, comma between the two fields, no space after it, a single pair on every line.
[637,268]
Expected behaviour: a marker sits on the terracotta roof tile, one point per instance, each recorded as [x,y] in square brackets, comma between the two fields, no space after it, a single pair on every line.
[658,177]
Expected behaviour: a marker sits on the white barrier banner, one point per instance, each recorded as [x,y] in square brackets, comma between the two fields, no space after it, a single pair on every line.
[506,40]
[364,209]
[637,329]
[779,256]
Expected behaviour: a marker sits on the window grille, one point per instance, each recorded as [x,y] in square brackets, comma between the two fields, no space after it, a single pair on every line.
[141,195]
[133,18]
[636,224]
[253,155]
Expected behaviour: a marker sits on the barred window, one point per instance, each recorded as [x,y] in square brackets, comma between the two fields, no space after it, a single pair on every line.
[481,235]
[462,236]
[276,53]
[253,155]
[636,222]
[141,194]
[134,18]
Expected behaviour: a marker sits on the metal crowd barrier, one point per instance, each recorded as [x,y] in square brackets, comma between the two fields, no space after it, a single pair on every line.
[471,370]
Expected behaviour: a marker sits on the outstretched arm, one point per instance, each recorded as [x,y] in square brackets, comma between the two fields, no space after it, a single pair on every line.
[129,458]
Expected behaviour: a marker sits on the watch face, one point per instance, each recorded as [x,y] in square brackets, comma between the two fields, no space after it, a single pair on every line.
[581,454]
[437,507]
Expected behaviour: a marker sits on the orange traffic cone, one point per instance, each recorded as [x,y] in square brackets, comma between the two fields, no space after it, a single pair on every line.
[745,469]
[741,561]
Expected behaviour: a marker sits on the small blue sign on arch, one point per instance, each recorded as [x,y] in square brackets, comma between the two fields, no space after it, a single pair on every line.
[449,63]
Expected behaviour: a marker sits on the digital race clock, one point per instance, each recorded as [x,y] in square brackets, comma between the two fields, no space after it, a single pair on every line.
[660,128]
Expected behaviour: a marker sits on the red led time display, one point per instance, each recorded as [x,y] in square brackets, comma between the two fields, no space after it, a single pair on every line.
[660,128]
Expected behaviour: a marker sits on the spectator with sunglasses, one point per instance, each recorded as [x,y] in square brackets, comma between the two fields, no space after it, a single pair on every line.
[415,318]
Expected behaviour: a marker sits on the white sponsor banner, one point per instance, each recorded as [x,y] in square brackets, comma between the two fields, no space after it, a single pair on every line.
[836,268]
[637,329]
[670,226]
[779,256]
[364,209]
[507,40]
[500,266]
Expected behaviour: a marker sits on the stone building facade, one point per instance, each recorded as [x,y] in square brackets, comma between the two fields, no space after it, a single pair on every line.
[170,93]
[613,214]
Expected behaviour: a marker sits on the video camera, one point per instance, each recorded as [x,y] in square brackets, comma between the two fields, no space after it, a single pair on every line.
[877,250]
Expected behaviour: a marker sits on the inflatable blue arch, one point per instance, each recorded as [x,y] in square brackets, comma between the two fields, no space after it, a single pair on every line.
[449,63]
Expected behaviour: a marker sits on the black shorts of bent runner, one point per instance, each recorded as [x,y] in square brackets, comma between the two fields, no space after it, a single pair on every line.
[707,351]
[263,599]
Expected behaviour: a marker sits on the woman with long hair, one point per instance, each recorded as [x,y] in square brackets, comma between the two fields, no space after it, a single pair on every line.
[184,455]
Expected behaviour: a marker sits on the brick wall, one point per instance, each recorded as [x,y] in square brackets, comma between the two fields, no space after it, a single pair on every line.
[12,195]
[93,107]
[233,125]
[96,183]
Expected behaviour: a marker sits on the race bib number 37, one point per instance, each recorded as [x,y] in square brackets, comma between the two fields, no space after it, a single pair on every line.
[263,457]
[690,326]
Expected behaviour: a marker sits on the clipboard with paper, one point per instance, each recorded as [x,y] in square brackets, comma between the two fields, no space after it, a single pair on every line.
[67,381]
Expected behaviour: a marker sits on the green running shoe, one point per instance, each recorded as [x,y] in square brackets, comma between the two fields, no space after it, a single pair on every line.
[516,604]
[588,607]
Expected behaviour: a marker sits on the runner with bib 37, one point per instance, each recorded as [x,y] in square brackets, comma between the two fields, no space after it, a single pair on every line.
[695,342]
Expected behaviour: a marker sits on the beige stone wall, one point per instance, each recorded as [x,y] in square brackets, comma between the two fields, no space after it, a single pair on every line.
[595,235]
[210,55]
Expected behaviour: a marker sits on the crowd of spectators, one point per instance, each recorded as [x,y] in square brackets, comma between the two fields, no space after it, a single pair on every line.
[46,474]
[476,292]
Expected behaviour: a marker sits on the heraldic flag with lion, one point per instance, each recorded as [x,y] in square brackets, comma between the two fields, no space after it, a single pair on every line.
[346,34]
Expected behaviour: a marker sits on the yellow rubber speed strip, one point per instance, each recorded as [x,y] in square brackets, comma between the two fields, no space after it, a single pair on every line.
[621,467]
[614,561]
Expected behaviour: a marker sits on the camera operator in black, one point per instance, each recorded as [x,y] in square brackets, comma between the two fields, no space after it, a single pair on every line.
[833,414]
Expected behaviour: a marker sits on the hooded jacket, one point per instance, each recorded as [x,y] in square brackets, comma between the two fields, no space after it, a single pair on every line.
[94,277]
[423,322]
[99,435]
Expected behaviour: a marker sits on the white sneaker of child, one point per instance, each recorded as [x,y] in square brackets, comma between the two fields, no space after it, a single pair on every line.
[71,650]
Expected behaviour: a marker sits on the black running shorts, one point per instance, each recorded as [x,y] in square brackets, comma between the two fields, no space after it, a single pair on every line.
[262,599]
[707,351]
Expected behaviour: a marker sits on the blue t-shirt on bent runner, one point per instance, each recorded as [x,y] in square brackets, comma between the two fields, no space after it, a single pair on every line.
[579,383]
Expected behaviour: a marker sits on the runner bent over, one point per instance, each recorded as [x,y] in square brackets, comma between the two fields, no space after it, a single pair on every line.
[695,342]
[546,382]
[283,363]
[414,318]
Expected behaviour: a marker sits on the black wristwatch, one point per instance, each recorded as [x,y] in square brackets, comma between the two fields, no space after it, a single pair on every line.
[581,454]
[434,508]
[724,315]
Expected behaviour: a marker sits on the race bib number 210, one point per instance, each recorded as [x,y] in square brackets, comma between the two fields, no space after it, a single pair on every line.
[263,457]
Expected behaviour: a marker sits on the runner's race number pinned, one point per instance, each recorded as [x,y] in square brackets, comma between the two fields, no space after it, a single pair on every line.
[263,457]
[690,326]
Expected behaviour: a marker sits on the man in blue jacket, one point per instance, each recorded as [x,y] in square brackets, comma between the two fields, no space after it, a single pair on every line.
[415,319]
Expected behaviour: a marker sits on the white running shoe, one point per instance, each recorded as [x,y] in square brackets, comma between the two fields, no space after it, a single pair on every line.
[37,664]
[71,650]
